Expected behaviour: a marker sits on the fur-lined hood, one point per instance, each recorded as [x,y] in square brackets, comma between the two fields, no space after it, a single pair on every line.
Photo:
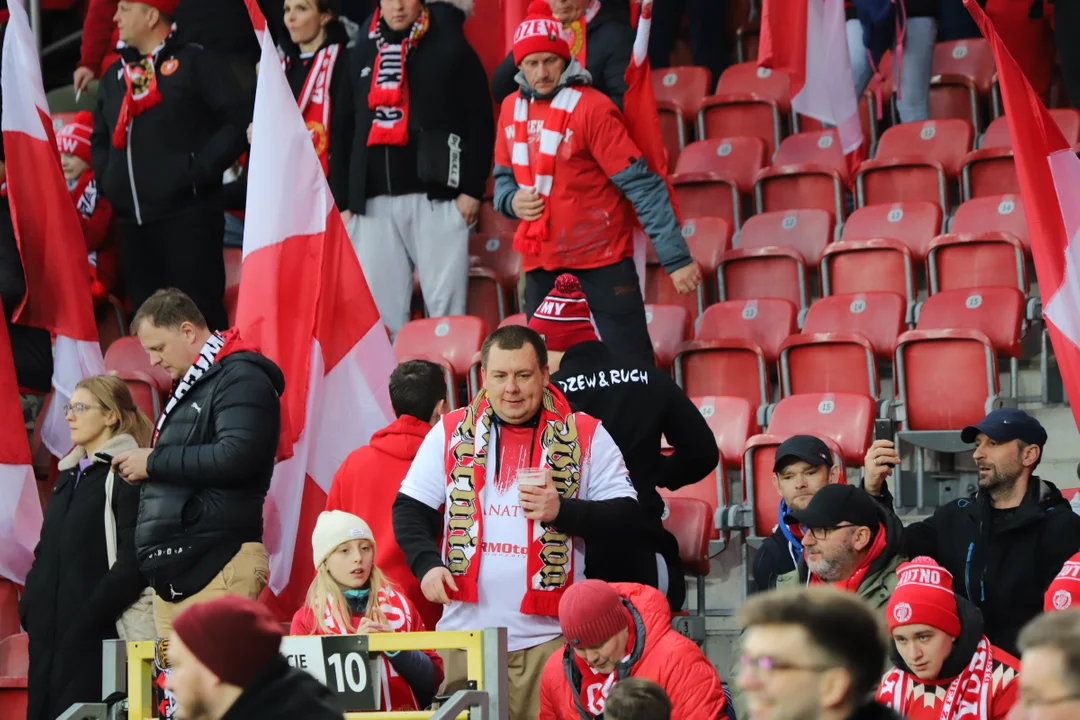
[465,6]
[115,446]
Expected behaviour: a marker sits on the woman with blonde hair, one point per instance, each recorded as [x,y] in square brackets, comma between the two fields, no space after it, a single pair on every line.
[349,595]
[84,586]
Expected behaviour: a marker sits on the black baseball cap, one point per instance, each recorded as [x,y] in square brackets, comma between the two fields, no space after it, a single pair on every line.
[835,505]
[802,447]
[1005,424]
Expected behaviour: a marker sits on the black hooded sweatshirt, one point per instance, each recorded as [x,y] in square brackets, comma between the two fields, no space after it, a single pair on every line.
[282,692]
[1001,560]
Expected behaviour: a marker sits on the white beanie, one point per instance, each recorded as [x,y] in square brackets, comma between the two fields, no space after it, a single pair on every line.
[333,528]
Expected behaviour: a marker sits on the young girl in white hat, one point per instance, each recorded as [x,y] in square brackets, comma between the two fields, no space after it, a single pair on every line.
[349,595]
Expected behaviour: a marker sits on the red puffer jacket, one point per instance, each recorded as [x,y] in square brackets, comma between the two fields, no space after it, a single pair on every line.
[667,658]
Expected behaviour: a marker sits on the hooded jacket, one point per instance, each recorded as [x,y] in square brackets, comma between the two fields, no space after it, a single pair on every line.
[600,183]
[880,580]
[282,692]
[72,596]
[776,556]
[449,103]
[360,489]
[1001,560]
[925,697]
[660,654]
[606,386]
[210,471]
[609,41]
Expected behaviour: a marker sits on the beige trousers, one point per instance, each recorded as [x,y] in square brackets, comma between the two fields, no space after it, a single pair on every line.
[523,668]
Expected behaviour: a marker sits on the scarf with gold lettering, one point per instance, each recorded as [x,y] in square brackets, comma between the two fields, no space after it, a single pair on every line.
[550,552]
[388,95]
[142,88]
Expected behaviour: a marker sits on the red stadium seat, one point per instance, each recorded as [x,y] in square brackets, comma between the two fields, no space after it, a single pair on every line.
[914,161]
[879,265]
[963,72]
[14,672]
[997,134]
[111,325]
[737,159]
[992,213]
[997,312]
[846,418]
[496,251]
[149,384]
[234,258]
[809,171]
[988,171]
[828,363]
[707,238]
[913,223]
[457,339]
[946,379]
[743,114]
[668,329]
[9,608]
[516,319]
[723,368]
[491,222]
[990,259]
[749,78]
[708,195]
[732,421]
[1068,121]
[765,322]
[690,520]
[807,231]
[877,316]
[746,42]
[487,298]
[763,273]
[673,130]
[682,86]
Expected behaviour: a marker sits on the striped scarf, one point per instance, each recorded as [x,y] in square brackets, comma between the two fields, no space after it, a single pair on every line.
[530,235]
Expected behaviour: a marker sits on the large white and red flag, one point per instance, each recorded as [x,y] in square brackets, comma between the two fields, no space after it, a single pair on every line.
[304,301]
[20,509]
[47,229]
[1049,175]
[807,39]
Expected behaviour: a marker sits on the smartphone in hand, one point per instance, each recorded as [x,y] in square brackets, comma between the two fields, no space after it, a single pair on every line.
[885,429]
[104,456]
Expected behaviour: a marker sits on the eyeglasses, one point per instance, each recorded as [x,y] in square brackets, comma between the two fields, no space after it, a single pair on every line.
[80,408]
[823,533]
[765,665]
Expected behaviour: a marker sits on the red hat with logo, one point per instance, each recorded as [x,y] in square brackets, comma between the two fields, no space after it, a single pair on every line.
[539,32]
[1064,591]
[563,318]
[924,596]
[74,138]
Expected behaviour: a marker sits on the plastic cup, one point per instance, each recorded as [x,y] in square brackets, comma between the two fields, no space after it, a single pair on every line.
[532,476]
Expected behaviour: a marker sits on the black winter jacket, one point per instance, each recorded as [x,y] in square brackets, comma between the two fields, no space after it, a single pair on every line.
[1004,571]
[448,95]
[609,388]
[72,597]
[609,42]
[209,473]
[341,103]
[775,557]
[178,150]
[282,692]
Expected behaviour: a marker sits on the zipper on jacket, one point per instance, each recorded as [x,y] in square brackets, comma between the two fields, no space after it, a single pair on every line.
[131,175]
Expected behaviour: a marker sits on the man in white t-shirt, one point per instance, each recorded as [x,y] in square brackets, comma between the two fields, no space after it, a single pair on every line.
[510,549]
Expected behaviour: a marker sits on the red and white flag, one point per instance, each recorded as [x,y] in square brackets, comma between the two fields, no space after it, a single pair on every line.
[1049,174]
[20,509]
[304,301]
[807,39]
[47,229]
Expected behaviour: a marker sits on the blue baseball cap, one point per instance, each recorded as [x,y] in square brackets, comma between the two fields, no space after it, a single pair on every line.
[1005,424]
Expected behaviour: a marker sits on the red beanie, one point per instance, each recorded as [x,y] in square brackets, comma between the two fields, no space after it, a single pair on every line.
[924,596]
[235,638]
[563,318]
[167,7]
[591,613]
[539,32]
[1064,592]
[74,138]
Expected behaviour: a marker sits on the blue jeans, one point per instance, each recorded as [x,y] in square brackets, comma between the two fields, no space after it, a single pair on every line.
[913,101]
[234,231]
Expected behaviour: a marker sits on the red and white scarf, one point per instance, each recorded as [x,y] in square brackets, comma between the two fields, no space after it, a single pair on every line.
[388,96]
[852,583]
[396,693]
[530,235]
[207,355]
[142,92]
[550,567]
[595,686]
[84,195]
[576,33]
[970,694]
[314,100]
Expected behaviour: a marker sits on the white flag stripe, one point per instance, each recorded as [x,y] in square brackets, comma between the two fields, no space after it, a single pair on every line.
[22,77]
[73,360]
[1062,306]
[20,520]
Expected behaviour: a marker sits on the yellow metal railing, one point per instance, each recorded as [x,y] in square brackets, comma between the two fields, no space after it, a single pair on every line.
[141,657]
